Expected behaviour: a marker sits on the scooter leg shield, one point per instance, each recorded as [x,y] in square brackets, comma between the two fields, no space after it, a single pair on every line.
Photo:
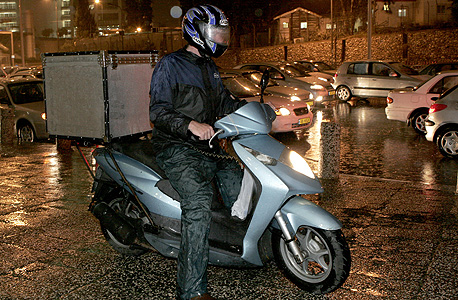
[300,211]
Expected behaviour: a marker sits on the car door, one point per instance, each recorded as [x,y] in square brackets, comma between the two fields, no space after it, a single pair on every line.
[358,78]
[384,79]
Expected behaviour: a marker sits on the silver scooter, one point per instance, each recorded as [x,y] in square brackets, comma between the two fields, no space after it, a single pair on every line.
[139,210]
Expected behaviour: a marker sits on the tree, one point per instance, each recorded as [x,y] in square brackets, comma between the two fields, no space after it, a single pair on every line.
[455,12]
[47,32]
[139,14]
[84,20]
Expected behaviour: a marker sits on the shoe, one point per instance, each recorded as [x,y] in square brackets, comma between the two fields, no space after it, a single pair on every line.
[205,296]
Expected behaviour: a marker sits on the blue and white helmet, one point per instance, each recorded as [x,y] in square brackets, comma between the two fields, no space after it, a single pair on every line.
[206,28]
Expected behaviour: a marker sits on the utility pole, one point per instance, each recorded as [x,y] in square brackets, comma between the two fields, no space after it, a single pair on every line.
[369,28]
[21,32]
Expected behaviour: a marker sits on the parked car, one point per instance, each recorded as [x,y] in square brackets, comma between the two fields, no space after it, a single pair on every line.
[294,94]
[26,98]
[288,74]
[373,78]
[30,73]
[317,66]
[442,123]
[433,69]
[291,115]
[411,105]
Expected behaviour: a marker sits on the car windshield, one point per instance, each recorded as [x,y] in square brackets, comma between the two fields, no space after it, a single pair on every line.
[256,78]
[241,87]
[322,66]
[296,70]
[404,69]
[26,92]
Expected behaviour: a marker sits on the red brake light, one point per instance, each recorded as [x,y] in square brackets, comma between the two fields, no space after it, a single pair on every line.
[436,107]
[389,100]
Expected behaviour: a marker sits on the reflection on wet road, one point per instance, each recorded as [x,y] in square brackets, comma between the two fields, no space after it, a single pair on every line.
[373,146]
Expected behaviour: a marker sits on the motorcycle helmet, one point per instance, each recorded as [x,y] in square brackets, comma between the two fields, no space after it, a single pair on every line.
[206,28]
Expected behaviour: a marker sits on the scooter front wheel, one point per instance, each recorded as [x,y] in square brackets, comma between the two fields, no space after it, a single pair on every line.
[326,255]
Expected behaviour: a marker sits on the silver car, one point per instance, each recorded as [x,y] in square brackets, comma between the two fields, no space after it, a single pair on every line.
[373,78]
[25,97]
[289,74]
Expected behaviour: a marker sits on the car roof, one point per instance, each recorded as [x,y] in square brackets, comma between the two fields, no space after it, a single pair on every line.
[19,80]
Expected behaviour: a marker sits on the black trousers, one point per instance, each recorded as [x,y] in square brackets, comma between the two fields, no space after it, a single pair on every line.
[190,173]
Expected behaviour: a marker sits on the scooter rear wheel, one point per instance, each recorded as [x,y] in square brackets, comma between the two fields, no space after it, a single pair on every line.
[327,259]
[129,210]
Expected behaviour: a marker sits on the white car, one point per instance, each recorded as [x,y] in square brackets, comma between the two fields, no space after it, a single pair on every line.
[411,105]
[442,123]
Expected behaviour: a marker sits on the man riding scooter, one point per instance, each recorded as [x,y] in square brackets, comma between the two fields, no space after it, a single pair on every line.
[187,97]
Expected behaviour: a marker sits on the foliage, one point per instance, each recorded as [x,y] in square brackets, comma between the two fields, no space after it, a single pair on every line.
[84,21]
[47,32]
[139,14]
[455,12]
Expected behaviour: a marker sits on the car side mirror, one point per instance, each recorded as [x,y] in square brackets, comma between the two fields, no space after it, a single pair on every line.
[263,83]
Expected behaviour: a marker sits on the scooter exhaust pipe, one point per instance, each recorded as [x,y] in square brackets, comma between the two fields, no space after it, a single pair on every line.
[122,230]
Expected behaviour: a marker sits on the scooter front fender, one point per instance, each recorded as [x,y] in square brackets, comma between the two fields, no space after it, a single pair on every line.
[299,211]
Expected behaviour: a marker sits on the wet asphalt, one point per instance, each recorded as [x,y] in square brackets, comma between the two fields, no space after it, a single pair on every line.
[394,193]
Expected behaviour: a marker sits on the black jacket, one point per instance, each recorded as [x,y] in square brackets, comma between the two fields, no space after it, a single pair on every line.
[186,87]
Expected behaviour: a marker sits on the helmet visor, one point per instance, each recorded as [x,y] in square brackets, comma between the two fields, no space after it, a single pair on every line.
[220,35]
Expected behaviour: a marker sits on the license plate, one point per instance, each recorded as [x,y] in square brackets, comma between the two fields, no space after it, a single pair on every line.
[332,92]
[304,121]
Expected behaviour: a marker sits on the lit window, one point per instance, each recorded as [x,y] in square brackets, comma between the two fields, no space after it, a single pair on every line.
[402,12]
[285,24]
[303,25]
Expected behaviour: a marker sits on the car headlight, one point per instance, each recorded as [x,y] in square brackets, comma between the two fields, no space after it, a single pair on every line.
[317,87]
[43,116]
[295,98]
[282,112]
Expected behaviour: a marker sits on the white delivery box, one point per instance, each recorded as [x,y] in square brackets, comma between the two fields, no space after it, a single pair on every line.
[98,96]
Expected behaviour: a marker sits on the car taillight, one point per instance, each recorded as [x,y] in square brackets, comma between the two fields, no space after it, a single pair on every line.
[389,100]
[436,107]
[335,75]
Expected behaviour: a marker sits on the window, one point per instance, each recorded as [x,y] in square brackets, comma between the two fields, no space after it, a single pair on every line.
[402,12]
[303,25]
[440,9]
[358,69]
[380,69]
[444,84]
[285,24]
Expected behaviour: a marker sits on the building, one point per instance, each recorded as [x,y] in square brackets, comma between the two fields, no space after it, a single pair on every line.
[408,13]
[109,15]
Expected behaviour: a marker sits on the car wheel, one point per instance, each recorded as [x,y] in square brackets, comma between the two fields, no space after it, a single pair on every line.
[447,142]
[418,121]
[343,93]
[25,133]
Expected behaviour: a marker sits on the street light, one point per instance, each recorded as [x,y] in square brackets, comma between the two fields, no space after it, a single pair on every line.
[21,32]
[101,5]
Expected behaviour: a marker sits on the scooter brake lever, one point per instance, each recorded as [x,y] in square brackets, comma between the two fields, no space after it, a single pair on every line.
[211,139]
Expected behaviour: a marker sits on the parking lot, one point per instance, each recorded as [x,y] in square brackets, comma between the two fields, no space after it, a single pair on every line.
[395,195]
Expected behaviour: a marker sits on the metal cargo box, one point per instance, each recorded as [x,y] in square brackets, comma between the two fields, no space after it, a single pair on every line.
[99,95]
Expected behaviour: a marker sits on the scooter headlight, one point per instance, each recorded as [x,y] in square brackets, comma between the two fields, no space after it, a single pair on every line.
[296,162]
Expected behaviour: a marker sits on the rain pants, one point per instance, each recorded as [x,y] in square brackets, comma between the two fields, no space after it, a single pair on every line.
[185,87]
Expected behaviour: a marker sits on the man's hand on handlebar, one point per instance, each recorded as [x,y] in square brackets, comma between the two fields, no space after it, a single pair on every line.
[201,130]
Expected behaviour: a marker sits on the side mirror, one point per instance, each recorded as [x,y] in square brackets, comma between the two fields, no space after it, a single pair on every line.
[263,83]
